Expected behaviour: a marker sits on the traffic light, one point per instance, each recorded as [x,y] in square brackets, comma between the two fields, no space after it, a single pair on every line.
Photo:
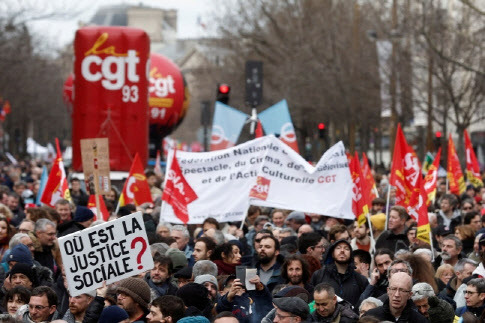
[437,140]
[223,91]
[321,130]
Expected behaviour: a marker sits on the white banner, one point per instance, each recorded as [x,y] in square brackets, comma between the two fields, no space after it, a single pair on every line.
[109,252]
[264,172]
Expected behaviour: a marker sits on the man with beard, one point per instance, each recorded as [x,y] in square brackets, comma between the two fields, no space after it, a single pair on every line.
[78,306]
[269,262]
[296,272]
[133,295]
[361,239]
[450,251]
[340,274]
[203,249]
[159,278]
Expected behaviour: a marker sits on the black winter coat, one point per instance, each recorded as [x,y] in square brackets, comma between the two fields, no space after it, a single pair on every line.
[409,314]
[348,286]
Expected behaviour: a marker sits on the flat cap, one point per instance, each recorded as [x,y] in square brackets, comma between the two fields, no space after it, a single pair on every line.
[293,305]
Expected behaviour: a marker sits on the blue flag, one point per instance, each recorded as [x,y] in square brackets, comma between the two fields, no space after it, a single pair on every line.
[43,182]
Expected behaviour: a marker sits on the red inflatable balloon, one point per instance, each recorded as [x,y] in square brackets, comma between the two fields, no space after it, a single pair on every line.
[111,92]
[169,95]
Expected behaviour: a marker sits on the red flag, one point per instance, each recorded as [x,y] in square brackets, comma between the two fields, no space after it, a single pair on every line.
[259,130]
[102,207]
[360,203]
[178,192]
[370,183]
[405,172]
[472,167]
[432,178]
[455,175]
[136,190]
[56,187]
[158,168]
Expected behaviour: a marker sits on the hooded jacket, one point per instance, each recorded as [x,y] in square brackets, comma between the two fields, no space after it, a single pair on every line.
[349,285]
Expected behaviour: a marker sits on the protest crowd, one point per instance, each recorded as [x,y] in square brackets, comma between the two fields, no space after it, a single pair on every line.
[297,267]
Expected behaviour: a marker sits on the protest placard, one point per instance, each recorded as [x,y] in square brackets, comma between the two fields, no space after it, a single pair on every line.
[95,157]
[108,252]
[265,172]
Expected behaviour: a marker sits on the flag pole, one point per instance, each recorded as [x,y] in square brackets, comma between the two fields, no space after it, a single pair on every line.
[387,203]
[371,233]
[431,244]
[96,182]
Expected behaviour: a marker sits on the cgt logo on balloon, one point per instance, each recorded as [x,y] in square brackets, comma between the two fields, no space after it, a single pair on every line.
[111,69]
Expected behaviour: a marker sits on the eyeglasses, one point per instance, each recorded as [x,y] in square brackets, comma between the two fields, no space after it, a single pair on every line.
[467,292]
[281,317]
[37,307]
[399,290]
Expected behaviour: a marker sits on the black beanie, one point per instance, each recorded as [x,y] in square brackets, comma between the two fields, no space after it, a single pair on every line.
[21,268]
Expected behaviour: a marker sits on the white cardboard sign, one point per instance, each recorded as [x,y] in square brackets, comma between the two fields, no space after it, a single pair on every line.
[109,252]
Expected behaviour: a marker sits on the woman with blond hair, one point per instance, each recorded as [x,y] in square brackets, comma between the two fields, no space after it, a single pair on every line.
[443,275]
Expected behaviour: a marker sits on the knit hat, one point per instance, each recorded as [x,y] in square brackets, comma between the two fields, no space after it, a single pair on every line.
[21,253]
[21,268]
[194,319]
[137,289]
[296,216]
[201,279]
[178,258]
[378,221]
[194,295]
[440,310]
[113,314]
[83,214]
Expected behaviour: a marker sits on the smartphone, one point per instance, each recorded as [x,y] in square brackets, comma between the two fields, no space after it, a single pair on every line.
[241,274]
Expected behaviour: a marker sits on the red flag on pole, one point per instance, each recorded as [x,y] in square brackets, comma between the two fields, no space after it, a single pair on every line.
[56,187]
[136,190]
[178,192]
[360,203]
[431,178]
[456,180]
[370,183]
[102,207]
[405,172]
[472,167]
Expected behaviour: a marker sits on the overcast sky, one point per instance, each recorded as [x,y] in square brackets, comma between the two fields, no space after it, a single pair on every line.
[60,32]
